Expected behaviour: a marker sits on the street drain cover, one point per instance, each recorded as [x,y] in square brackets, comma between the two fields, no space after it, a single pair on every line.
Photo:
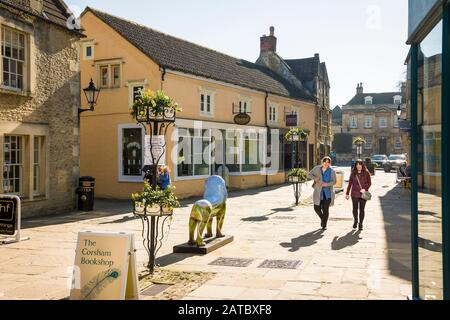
[232,262]
[284,218]
[280,264]
[155,289]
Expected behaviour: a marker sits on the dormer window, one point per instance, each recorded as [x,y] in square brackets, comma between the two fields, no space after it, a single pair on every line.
[398,100]
[368,100]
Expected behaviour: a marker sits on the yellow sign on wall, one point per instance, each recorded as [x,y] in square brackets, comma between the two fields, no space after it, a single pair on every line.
[105,267]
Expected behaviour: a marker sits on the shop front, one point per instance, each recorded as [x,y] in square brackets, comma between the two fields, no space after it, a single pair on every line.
[429,96]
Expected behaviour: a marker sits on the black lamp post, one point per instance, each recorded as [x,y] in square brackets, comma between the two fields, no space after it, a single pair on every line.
[92,94]
[156,120]
[297,136]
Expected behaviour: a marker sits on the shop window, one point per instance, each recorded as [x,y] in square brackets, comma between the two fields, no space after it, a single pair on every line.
[13,165]
[131,153]
[429,179]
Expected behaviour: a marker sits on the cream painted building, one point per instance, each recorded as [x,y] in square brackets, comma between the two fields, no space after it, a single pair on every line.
[123,58]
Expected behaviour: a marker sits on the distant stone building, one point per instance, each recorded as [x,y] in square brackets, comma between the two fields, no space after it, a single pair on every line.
[373,116]
[39,101]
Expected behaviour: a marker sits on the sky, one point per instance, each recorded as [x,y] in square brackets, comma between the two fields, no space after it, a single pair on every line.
[359,40]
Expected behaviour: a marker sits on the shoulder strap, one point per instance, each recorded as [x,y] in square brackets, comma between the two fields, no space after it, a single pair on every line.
[359,182]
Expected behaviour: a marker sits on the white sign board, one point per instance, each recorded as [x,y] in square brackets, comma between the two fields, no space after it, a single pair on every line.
[155,147]
[105,267]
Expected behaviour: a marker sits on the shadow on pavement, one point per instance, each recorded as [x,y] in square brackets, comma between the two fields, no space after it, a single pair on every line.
[266,216]
[303,241]
[172,258]
[349,240]
[103,208]
[396,209]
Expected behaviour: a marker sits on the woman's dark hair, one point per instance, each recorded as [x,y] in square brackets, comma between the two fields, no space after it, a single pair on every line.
[326,159]
[364,167]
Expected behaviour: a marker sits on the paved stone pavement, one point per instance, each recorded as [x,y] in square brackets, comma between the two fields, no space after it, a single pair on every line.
[335,264]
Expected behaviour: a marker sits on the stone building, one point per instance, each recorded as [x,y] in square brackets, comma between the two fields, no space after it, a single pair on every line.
[373,116]
[307,73]
[39,101]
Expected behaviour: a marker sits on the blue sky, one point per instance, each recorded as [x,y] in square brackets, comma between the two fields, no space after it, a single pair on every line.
[360,40]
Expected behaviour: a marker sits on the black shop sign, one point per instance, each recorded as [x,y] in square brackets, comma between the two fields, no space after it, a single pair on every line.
[8,215]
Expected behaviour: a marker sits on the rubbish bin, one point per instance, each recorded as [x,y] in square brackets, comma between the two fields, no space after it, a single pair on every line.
[85,193]
[339,187]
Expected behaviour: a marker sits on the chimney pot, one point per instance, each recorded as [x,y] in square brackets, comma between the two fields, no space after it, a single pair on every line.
[269,43]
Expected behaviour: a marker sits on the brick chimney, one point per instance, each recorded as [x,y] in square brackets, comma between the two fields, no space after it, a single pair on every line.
[359,88]
[269,43]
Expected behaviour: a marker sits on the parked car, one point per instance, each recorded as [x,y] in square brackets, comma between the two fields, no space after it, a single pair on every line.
[380,160]
[395,161]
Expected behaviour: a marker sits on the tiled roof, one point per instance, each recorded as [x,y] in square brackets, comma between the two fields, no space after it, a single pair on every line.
[180,55]
[304,69]
[54,11]
[378,98]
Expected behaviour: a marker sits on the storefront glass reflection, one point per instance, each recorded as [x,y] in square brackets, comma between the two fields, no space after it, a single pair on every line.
[430,165]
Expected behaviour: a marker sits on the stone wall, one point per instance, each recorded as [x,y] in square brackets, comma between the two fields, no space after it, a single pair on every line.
[52,101]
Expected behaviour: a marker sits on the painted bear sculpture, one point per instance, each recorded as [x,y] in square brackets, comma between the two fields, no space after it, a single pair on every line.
[203,211]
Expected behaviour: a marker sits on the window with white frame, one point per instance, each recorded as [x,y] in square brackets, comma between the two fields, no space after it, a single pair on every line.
[369,143]
[38,165]
[13,162]
[13,58]
[367,122]
[251,151]
[131,152]
[135,90]
[353,122]
[88,50]
[398,142]
[193,147]
[245,104]
[383,123]
[273,113]
[207,100]
[233,150]
[398,100]
[110,75]
[368,100]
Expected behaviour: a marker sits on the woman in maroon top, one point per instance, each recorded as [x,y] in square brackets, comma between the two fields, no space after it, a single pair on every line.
[357,188]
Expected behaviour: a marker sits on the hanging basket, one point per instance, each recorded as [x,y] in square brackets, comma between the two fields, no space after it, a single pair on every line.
[151,210]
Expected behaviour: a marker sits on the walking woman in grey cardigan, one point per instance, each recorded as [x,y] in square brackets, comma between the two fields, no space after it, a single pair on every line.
[324,181]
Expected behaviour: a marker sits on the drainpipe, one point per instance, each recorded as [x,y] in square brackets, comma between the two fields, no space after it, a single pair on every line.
[266,104]
[163,76]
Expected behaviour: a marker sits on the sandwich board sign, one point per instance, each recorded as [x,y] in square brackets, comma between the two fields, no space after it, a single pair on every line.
[105,267]
[10,217]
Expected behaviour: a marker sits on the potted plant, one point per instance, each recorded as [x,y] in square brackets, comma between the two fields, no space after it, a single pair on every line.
[154,105]
[296,132]
[155,201]
[298,175]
